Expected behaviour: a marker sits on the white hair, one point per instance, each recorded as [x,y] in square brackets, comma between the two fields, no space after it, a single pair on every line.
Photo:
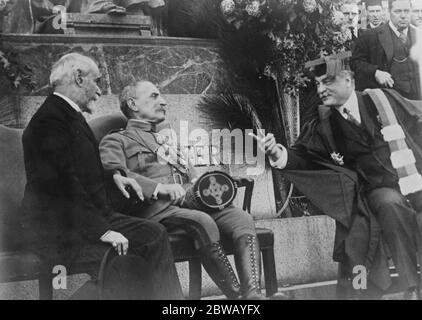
[64,69]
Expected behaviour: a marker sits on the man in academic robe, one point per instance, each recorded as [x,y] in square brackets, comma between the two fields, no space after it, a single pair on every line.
[342,163]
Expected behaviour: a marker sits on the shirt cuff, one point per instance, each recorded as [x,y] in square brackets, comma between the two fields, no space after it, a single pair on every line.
[105,234]
[281,163]
[155,193]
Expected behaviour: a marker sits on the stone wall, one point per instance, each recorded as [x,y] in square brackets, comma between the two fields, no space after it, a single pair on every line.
[176,65]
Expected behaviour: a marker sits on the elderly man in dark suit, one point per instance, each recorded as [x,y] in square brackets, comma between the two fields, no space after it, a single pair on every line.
[350,11]
[380,57]
[67,217]
[348,139]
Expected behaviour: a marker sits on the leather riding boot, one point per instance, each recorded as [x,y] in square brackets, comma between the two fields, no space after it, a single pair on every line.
[248,264]
[219,269]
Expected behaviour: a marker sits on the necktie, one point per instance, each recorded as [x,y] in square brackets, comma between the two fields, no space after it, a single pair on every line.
[352,30]
[350,117]
[403,37]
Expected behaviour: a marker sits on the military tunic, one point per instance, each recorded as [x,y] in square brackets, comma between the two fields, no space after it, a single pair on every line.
[142,154]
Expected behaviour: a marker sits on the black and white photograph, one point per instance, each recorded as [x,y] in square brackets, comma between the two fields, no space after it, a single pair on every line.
[211,157]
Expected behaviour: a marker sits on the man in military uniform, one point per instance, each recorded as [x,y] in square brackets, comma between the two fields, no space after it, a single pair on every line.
[136,151]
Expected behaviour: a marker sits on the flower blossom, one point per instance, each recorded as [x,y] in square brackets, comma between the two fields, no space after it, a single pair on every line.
[253,8]
[309,5]
[227,6]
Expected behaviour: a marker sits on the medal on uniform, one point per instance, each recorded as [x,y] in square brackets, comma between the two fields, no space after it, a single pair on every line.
[337,158]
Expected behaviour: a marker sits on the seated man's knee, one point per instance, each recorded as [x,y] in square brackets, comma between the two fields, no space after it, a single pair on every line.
[235,223]
[206,222]
[160,230]
[151,234]
[391,209]
[244,218]
[204,219]
[385,198]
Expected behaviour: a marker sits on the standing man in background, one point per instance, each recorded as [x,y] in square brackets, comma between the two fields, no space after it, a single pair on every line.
[381,56]
[416,19]
[350,11]
[375,13]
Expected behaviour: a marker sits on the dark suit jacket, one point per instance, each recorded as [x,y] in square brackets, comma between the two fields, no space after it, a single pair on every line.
[372,51]
[65,201]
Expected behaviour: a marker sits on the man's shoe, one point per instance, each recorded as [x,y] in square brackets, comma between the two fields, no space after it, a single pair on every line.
[281,296]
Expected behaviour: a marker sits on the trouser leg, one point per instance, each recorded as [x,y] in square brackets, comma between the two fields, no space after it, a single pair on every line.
[124,277]
[398,223]
[196,224]
[149,240]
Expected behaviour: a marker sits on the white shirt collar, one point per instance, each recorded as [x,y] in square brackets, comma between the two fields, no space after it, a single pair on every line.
[139,120]
[354,30]
[397,32]
[69,101]
[352,105]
